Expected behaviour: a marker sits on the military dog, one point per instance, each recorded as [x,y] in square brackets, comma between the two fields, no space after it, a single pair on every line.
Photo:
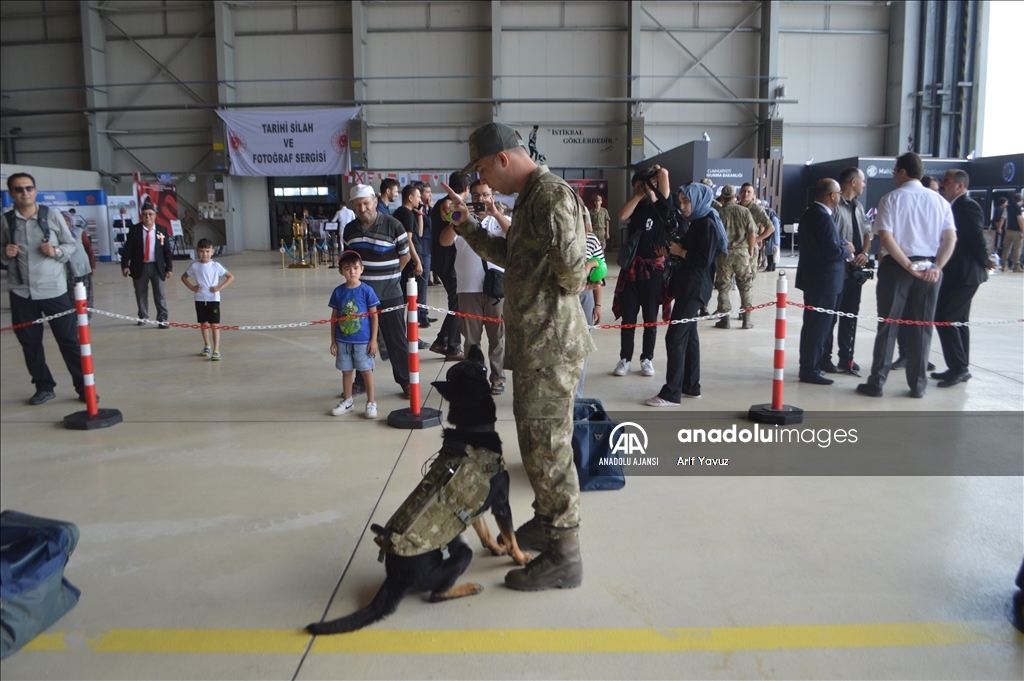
[421,568]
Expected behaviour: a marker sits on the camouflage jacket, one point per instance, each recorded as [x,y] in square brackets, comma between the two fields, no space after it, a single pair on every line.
[761,219]
[601,221]
[739,225]
[544,256]
[448,499]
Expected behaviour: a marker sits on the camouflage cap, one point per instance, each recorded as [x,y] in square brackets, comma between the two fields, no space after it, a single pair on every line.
[708,182]
[489,139]
[728,191]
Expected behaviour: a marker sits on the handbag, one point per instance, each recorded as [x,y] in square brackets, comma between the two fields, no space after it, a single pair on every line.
[591,433]
[33,591]
[494,282]
[627,254]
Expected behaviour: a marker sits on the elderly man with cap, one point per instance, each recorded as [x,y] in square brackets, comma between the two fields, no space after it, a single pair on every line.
[383,244]
[544,256]
[741,232]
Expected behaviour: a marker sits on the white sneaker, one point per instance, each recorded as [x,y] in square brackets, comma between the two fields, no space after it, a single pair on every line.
[646,367]
[622,368]
[659,402]
[371,410]
[344,407]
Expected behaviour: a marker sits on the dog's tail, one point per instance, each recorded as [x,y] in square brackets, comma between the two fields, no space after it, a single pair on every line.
[383,604]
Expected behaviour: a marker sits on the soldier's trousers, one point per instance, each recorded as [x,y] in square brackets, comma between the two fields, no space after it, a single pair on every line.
[542,402]
[738,265]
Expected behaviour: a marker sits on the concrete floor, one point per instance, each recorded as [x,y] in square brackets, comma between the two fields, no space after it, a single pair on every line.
[230,509]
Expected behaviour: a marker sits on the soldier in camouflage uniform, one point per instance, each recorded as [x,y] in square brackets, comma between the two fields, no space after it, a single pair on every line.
[544,257]
[714,202]
[765,228]
[742,235]
[600,220]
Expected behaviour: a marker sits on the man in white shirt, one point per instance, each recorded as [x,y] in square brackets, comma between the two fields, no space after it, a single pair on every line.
[470,270]
[343,216]
[915,226]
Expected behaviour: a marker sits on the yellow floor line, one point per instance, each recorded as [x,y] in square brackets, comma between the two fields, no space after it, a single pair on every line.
[475,641]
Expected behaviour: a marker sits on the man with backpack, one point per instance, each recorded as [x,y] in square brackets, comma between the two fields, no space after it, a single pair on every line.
[35,245]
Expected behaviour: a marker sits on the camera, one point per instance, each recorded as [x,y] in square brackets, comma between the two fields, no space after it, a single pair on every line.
[646,175]
[862,274]
[478,207]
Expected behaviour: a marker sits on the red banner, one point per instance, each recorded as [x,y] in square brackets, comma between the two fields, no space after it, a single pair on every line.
[588,189]
[163,197]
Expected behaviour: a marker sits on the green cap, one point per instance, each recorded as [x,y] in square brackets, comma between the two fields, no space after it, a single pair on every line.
[489,139]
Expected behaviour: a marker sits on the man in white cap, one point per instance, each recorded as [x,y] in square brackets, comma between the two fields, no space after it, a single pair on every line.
[544,258]
[383,244]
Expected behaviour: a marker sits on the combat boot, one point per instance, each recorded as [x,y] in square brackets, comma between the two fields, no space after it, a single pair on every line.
[559,567]
[747,324]
[723,323]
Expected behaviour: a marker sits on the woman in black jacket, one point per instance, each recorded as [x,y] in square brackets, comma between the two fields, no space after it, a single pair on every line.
[691,286]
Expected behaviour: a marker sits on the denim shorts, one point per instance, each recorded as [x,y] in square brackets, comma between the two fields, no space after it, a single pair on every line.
[353,356]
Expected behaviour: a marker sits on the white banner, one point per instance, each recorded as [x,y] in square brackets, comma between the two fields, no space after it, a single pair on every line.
[288,143]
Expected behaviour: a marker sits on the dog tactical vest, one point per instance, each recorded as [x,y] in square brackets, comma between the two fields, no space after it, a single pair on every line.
[448,499]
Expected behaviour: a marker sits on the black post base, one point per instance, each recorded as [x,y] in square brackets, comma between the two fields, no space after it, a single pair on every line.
[82,420]
[404,418]
[788,415]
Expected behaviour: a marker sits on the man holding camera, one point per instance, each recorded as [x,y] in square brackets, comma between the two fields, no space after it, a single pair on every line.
[854,229]
[471,271]
[638,291]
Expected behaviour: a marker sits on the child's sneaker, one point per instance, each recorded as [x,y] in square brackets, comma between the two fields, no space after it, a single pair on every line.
[344,407]
[205,352]
[215,356]
[371,410]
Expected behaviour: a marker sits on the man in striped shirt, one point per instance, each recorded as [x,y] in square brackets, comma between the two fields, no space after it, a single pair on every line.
[383,244]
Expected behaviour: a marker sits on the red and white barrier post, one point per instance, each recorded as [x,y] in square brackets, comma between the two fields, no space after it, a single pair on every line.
[93,417]
[778,413]
[415,417]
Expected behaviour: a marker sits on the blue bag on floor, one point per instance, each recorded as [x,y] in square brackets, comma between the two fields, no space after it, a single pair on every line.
[591,431]
[33,591]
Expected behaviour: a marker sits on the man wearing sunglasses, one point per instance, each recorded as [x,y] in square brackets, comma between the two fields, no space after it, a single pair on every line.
[35,244]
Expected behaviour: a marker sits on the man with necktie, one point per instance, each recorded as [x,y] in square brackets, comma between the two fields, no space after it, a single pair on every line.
[147,257]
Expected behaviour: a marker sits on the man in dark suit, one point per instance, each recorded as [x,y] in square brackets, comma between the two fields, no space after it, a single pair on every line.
[964,272]
[819,275]
[147,258]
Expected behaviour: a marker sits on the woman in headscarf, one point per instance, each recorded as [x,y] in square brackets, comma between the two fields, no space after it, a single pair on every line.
[691,287]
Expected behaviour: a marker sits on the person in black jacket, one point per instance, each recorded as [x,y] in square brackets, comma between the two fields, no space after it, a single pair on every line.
[147,257]
[819,275]
[963,274]
[691,286]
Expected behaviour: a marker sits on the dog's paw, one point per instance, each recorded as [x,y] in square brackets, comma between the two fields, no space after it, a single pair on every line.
[468,589]
[497,549]
[523,558]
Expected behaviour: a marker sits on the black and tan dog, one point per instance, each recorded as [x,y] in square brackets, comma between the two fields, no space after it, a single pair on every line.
[471,442]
